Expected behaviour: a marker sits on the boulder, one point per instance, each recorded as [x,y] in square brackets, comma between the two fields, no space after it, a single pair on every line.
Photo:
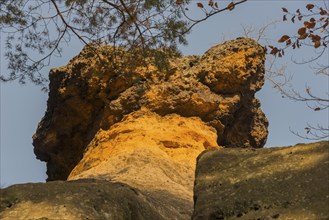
[268,183]
[82,199]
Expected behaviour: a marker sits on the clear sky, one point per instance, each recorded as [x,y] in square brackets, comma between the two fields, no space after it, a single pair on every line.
[22,107]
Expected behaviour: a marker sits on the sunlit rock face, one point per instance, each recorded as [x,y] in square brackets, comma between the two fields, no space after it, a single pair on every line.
[270,183]
[148,152]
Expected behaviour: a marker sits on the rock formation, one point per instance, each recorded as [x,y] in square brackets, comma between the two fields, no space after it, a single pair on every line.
[86,97]
[126,137]
[143,126]
[272,183]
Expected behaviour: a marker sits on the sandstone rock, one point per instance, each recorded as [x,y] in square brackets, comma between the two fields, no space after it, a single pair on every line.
[272,183]
[151,153]
[82,199]
[88,96]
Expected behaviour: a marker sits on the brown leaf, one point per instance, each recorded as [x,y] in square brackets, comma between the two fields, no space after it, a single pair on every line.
[288,42]
[312,20]
[179,2]
[300,17]
[303,36]
[285,10]
[309,6]
[317,44]
[325,25]
[284,17]
[298,11]
[231,6]
[293,45]
[200,5]
[323,12]
[317,109]
[274,51]
[211,3]
[302,31]
[309,24]
[283,38]
[316,38]
[216,4]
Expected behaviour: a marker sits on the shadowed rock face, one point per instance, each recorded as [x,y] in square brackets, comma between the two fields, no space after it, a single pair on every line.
[273,183]
[86,199]
[86,97]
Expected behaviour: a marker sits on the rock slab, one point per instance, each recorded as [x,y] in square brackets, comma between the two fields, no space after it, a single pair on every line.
[83,199]
[271,183]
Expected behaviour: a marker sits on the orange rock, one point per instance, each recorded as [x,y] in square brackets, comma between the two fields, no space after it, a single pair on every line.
[149,152]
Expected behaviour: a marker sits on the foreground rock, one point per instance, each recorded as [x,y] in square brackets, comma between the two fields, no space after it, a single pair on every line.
[273,183]
[83,199]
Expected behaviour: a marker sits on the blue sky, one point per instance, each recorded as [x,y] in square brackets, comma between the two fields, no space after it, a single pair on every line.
[22,107]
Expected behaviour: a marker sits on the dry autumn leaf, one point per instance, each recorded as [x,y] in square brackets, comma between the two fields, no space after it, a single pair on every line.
[303,36]
[283,38]
[316,38]
[274,51]
[302,31]
[309,25]
[231,6]
[200,5]
[309,6]
[285,10]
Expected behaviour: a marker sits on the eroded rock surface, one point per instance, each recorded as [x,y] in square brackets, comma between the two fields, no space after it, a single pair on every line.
[272,183]
[149,152]
[86,97]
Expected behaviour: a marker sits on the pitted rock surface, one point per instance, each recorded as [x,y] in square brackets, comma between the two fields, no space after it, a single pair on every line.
[87,96]
[269,183]
[148,152]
